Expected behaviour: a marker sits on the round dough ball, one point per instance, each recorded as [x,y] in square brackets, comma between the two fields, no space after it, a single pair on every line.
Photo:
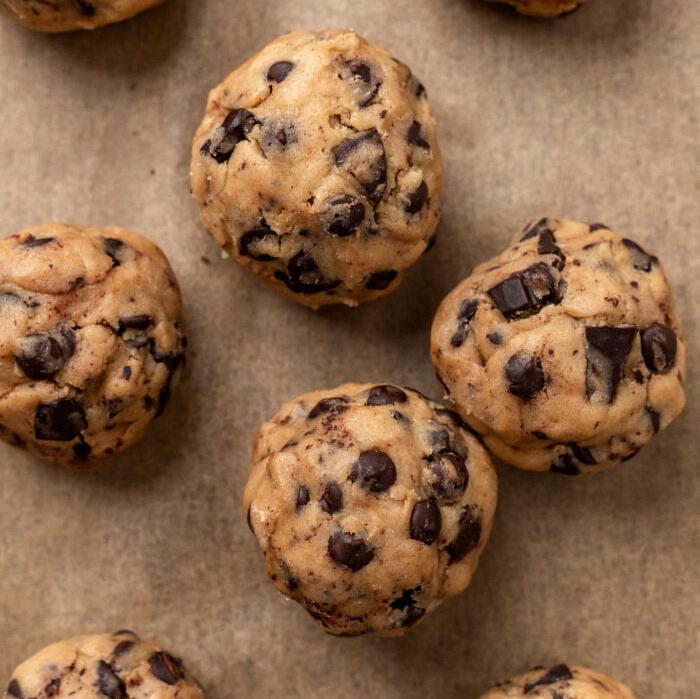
[372,505]
[561,681]
[564,351]
[543,8]
[117,666]
[55,16]
[317,167]
[90,346]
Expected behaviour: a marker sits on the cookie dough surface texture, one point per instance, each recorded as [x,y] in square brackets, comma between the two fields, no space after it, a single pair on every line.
[560,682]
[67,15]
[317,167]
[117,666]
[90,345]
[543,8]
[565,351]
[372,505]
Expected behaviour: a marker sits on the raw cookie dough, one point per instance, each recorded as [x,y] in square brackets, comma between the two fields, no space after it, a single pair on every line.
[564,351]
[317,167]
[117,666]
[90,346]
[543,8]
[560,682]
[67,15]
[372,505]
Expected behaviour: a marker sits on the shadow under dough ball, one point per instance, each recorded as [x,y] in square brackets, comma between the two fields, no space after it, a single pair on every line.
[543,8]
[564,351]
[90,345]
[116,666]
[560,681]
[372,505]
[317,167]
[55,16]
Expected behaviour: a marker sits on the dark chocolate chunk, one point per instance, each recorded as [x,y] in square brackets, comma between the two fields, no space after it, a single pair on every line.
[232,131]
[374,471]
[108,682]
[416,137]
[363,80]
[583,454]
[495,338]
[558,673]
[166,668]
[534,229]
[260,243]
[659,347]
[87,9]
[525,293]
[426,521]
[565,465]
[337,404]
[417,199]
[60,421]
[135,322]
[407,604]
[122,647]
[332,498]
[31,242]
[524,375]
[655,418]
[547,245]
[349,550]
[304,276]
[112,246]
[386,395]
[302,498]
[641,259]
[467,311]
[279,71]
[82,450]
[53,687]
[343,215]
[126,372]
[43,355]
[378,281]
[363,156]
[468,537]
[14,689]
[607,351]
[447,476]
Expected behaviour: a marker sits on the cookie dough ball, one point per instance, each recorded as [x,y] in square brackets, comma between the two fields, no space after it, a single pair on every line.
[565,351]
[317,167]
[117,666]
[543,8]
[90,346]
[372,505]
[561,681]
[55,16]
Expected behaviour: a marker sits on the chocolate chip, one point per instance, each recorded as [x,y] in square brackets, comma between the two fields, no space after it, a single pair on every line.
[363,156]
[374,470]
[82,450]
[52,687]
[446,475]
[655,418]
[349,550]
[232,131]
[416,199]
[583,454]
[87,9]
[31,242]
[641,259]
[559,673]
[304,276]
[112,247]
[135,322]
[362,79]
[565,465]
[279,71]
[467,311]
[14,689]
[426,521]
[659,346]
[302,498]
[407,604]
[467,538]
[332,498]
[343,214]
[386,395]
[260,243]
[607,351]
[495,338]
[378,281]
[337,404]
[166,668]
[547,245]
[44,354]
[59,421]
[276,137]
[525,293]
[415,136]
[122,647]
[524,375]
[108,683]
[534,229]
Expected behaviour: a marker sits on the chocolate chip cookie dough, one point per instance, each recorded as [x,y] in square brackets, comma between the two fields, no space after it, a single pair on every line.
[317,167]
[564,351]
[372,505]
[561,682]
[543,8]
[117,666]
[90,346]
[54,16]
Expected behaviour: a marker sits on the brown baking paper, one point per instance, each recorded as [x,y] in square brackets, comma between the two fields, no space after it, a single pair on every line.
[592,116]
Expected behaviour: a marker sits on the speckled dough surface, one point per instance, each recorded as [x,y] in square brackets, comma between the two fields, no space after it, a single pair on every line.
[89,340]
[372,505]
[116,666]
[561,682]
[565,351]
[317,167]
[543,8]
[67,15]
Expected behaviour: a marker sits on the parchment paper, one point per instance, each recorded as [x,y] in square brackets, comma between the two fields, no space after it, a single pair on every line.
[594,116]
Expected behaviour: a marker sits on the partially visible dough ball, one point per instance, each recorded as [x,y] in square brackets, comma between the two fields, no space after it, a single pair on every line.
[90,344]
[372,505]
[317,167]
[543,8]
[560,682]
[116,666]
[564,351]
[67,15]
